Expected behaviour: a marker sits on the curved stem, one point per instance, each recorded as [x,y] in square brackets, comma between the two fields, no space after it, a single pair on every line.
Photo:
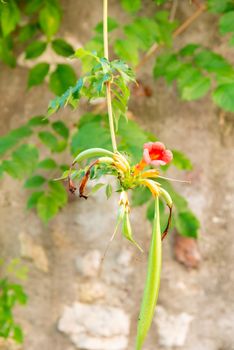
[108,84]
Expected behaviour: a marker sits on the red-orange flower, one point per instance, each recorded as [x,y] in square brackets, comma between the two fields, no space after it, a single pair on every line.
[155,153]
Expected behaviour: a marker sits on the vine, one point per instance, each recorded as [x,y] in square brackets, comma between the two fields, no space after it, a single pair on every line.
[108,84]
[118,165]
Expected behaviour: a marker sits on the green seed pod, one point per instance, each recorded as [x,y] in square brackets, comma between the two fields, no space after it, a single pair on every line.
[152,281]
[92,153]
[127,230]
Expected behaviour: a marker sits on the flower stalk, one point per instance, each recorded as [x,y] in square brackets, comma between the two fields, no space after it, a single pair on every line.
[108,84]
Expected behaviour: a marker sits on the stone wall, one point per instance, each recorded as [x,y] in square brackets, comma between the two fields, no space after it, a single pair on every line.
[74,302]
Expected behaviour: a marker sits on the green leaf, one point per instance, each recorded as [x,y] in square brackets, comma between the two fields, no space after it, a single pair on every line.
[212,62]
[21,296]
[165,28]
[12,138]
[47,163]
[223,96]
[61,129]
[39,120]
[33,199]
[187,224]
[96,187]
[112,25]
[37,74]
[62,48]
[218,6]
[47,207]
[71,97]
[62,78]
[6,52]
[90,135]
[109,191]
[231,41]
[189,49]
[33,6]
[140,196]
[49,19]
[226,23]
[18,334]
[131,5]
[51,141]
[88,58]
[23,162]
[1,173]
[192,84]
[94,45]
[21,132]
[83,54]
[181,161]
[27,157]
[27,32]
[12,168]
[58,193]
[9,17]
[132,137]
[34,181]
[168,66]
[142,33]
[35,49]
[126,50]
[48,139]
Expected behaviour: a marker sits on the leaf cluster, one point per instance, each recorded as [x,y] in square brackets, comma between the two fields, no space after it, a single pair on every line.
[21,160]
[33,36]
[136,37]
[92,85]
[198,70]
[11,294]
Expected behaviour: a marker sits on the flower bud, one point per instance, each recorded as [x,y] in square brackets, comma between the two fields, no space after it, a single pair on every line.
[166,197]
[127,231]
[123,200]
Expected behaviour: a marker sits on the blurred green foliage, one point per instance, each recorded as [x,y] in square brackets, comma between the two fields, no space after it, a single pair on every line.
[11,294]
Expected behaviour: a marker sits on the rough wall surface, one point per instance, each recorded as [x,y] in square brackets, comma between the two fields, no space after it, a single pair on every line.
[196,306]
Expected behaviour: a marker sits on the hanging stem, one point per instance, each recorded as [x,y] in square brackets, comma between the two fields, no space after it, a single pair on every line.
[108,84]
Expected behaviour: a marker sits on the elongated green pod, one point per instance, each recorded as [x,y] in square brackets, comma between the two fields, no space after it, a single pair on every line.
[166,197]
[92,153]
[127,230]
[152,285]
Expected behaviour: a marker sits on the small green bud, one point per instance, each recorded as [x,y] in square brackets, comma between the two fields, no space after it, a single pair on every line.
[166,197]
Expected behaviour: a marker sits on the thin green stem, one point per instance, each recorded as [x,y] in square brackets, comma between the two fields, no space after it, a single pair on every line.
[108,84]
